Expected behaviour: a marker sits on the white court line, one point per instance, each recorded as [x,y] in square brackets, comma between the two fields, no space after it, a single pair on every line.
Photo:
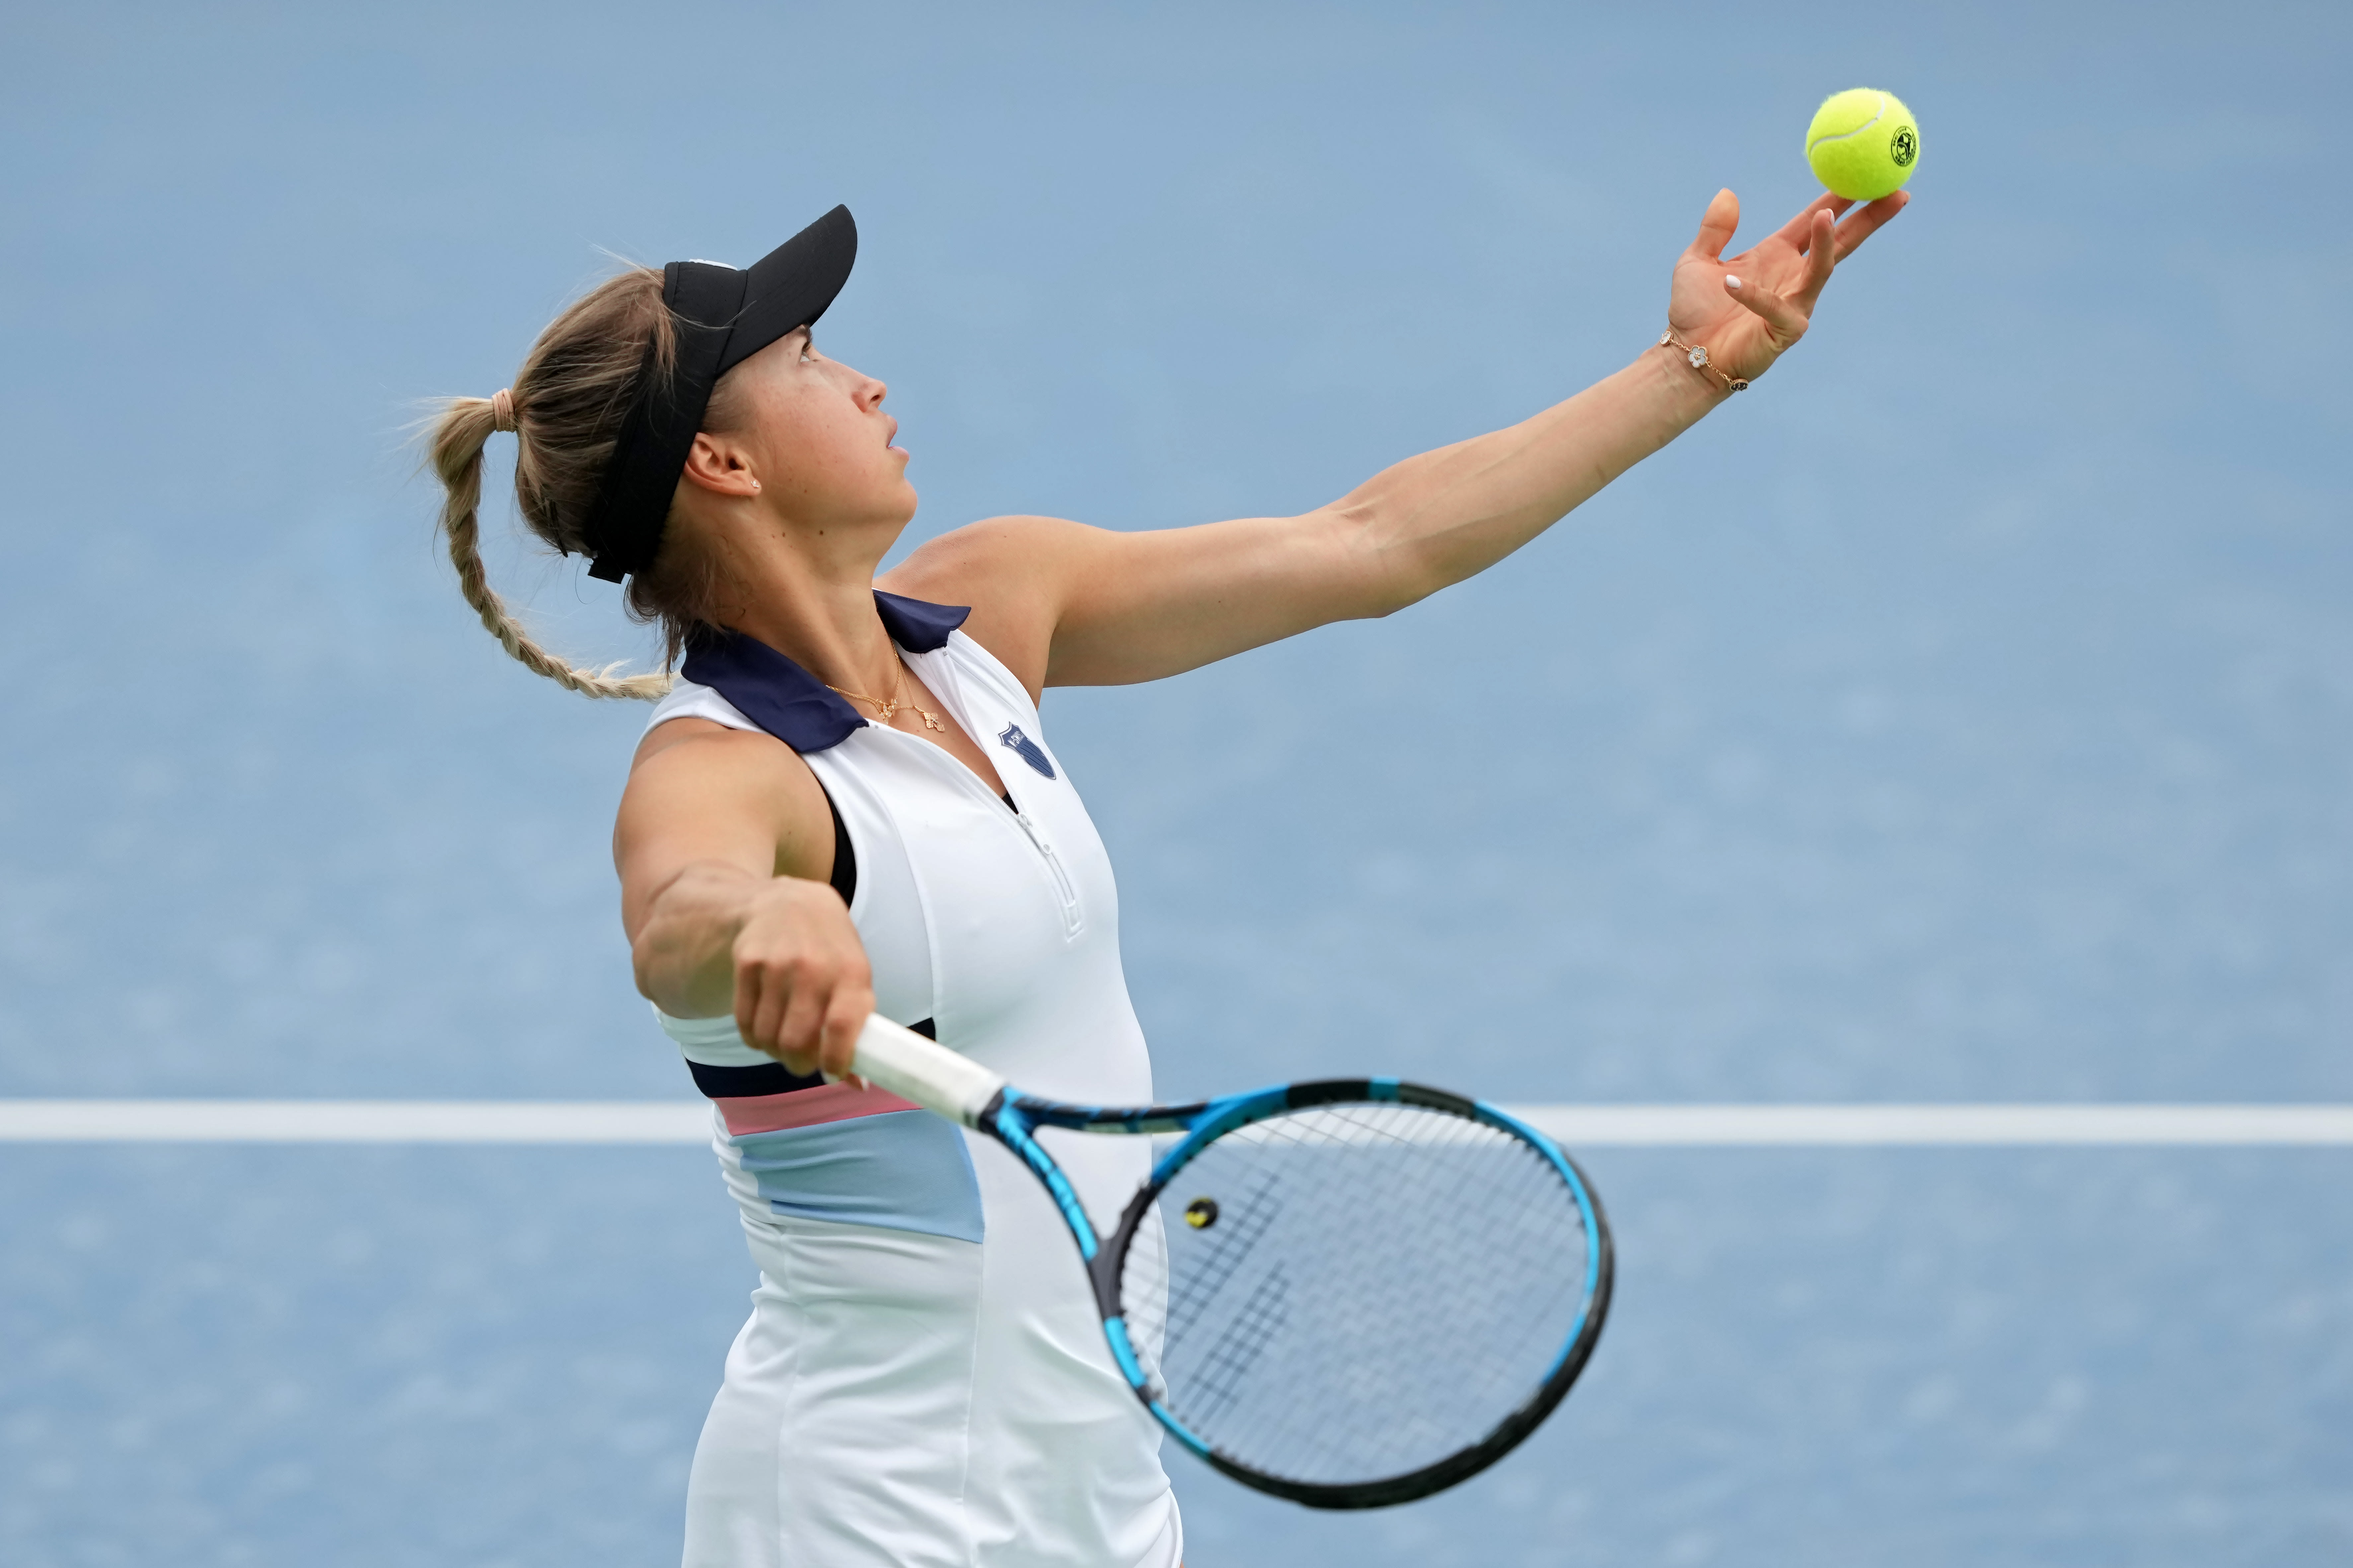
[353,1121]
[1578,1126]
[1724,1126]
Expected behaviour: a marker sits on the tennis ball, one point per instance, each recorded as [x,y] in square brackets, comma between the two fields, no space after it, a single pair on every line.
[1864,143]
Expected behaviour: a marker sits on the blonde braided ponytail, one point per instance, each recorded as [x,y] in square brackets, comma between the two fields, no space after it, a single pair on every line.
[459,436]
[566,407]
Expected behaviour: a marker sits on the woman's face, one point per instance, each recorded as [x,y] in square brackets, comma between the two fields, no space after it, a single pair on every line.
[812,432]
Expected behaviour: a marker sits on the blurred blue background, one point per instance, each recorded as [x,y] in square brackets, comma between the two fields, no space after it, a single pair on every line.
[1965,713]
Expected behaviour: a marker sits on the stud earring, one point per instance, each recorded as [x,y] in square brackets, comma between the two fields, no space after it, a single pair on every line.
[756,486]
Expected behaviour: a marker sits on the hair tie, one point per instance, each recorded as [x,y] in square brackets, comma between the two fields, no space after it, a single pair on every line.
[503,414]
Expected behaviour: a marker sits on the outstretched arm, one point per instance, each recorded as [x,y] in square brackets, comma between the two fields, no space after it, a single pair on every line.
[1068,605]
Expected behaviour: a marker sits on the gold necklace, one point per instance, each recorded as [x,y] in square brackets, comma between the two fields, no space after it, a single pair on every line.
[883,710]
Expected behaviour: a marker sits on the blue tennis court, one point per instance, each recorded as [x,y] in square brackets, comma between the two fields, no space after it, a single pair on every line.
[503,1356]
[1959,718]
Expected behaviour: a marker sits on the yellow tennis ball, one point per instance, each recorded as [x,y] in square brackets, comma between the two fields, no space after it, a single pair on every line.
[1864,143]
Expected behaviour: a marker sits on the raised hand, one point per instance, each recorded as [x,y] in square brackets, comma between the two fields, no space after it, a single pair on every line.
[1748,323]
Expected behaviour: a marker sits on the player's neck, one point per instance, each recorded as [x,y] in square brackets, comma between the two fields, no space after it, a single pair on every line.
[815,606]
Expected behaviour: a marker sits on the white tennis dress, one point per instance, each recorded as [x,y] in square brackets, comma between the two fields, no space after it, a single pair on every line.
[923,1380]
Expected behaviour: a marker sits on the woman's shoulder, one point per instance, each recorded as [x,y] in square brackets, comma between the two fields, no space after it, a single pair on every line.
[1010,571]
[688,701]
[715,734]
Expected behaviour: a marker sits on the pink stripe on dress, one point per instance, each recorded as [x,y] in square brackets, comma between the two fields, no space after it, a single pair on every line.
[806,1107]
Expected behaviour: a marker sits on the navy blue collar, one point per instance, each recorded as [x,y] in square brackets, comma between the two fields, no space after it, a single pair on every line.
[789,702]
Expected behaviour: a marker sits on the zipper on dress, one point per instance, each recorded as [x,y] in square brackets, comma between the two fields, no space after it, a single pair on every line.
[1063,887]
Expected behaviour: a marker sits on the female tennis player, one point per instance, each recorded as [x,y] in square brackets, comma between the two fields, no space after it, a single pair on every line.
[846,803]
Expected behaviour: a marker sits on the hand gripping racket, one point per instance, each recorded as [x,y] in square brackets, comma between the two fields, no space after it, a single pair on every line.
[1349,1293]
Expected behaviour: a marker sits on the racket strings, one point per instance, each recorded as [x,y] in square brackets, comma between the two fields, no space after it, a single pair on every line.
[1192,1295]
[1428,1415]
[1264,1314]
[1381,1287]
[1404,1387]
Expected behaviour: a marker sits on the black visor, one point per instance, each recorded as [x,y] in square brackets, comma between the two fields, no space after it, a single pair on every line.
[724,317]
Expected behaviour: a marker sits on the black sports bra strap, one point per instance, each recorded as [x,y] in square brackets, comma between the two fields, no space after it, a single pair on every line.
[845,857]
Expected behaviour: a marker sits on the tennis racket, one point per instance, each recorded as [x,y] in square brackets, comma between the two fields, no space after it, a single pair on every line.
[1349,1293]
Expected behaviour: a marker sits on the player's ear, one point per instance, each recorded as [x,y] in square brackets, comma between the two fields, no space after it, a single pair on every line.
[720,466]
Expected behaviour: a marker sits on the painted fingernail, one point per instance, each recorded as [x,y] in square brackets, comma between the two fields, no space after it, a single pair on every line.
[1730,281]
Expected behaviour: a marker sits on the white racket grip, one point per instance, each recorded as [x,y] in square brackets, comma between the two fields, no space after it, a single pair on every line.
[914,1068]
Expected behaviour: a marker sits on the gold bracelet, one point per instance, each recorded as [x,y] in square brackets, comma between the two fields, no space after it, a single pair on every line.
[1696,355]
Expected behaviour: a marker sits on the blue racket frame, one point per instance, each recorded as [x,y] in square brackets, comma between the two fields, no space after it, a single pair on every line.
[1013,1119]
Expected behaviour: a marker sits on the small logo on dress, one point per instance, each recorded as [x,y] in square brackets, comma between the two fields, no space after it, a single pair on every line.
[1022,746]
